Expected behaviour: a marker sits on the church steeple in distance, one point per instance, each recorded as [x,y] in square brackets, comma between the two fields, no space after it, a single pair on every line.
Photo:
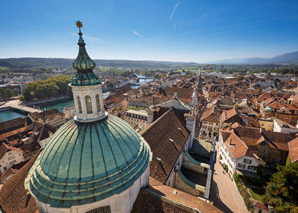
[86,86]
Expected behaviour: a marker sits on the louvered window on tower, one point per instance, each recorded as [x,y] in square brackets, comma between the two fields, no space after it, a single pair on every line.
[79,103]
[88,104]
[97,102]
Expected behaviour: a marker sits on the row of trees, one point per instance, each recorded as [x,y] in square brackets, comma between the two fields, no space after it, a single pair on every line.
[114,72]
[44,89]
[6,94]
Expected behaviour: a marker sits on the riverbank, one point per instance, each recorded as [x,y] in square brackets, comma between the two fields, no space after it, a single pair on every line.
[48,102]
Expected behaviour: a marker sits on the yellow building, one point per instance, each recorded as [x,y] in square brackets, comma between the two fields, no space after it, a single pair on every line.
[266,124]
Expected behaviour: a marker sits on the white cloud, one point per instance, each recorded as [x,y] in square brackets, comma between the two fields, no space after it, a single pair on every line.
[137,34]
[177,4]
[93,39]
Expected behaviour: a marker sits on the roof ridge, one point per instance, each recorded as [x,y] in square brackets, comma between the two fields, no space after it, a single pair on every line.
[180,119]
[158,119]
[239,139]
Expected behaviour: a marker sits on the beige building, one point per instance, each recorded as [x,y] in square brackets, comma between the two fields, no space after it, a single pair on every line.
[52,117]
[9,156]
[266,124]
[139,118]
[210,121]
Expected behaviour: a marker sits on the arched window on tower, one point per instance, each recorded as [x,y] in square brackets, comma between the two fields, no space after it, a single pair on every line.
[97,102]
[88,104]
[79,103]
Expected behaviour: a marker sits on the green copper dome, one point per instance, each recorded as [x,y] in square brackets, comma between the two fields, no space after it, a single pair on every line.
[84,66]
[87,162]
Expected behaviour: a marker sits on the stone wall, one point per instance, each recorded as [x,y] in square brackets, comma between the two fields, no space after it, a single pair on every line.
[181,183]
[193,165]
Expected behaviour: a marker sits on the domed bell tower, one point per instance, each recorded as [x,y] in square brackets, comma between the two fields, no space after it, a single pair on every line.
[86,86]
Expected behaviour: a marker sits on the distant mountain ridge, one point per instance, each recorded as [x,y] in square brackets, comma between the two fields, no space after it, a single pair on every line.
[290,58]
[287,58]
[64,62]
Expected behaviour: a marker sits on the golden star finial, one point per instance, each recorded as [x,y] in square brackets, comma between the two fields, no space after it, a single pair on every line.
[79,24]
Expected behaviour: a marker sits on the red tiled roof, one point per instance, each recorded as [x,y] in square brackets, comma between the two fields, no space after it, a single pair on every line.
[4,148]
[166,137]
[252,137]
[231,116]
[162,198]
[211,115]
[48,114]
[263,97]
[236,147]
[293,150]
[12,124]
[184,94]
[260,205]
[12,170]
[115,99]
[274,104]
[124,89]
[13,197]
[249,135]
[291,107]
[278,140]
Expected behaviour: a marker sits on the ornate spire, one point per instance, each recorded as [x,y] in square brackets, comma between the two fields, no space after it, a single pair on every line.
[84,64]
[200,79]
[83,61]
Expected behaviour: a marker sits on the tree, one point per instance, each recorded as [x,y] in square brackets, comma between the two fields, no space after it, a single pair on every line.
[282,190]
[51,87]
[110,84]
[2,94]
[9,93]
[240,78]
[27,95]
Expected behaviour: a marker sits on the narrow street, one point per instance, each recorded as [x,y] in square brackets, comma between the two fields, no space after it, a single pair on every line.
[225,194]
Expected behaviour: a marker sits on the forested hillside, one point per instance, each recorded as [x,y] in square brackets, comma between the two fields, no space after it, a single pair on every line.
[62,62]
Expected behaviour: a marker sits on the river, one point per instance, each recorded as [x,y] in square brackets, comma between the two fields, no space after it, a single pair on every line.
[9,115]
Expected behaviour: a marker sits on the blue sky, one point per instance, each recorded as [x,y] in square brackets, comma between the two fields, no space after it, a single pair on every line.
[166,30]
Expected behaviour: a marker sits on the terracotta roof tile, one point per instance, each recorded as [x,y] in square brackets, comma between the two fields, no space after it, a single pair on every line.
[293,150]
[12,124]
[166,137]
[115,99]
[12,170]
[212,114]
[231,116]
[121,90]
[263,97]
[4,148]
[161,198]
[184,94]
[253,136]
[278,140]
[236,147]
[249,135]
[13,197]
[260,205]
[48,114]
